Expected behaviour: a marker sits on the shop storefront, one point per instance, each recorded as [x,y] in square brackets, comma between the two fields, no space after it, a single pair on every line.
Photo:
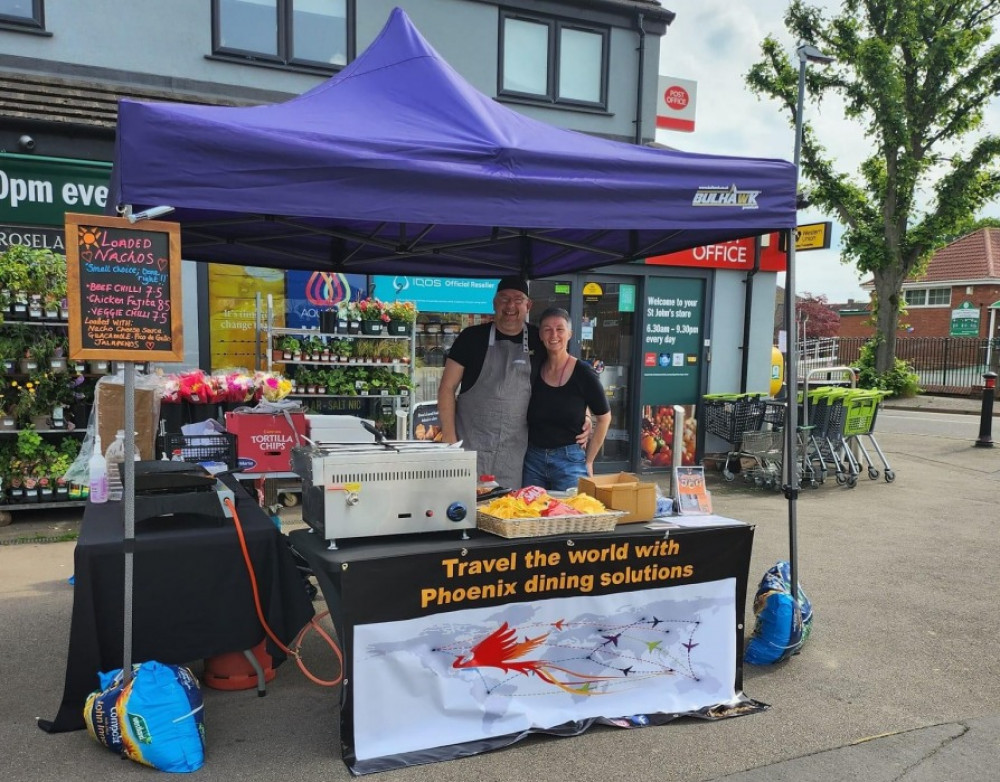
[647,329]
[643,327]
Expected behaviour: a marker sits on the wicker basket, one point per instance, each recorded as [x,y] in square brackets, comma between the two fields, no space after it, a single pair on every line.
[548,525]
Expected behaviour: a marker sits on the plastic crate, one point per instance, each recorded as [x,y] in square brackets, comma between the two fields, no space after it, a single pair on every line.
[218,447]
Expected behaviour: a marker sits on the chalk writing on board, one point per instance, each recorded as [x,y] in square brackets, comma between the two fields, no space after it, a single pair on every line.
[125,286]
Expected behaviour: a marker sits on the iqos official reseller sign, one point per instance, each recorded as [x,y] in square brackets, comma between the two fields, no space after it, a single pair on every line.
[37,192]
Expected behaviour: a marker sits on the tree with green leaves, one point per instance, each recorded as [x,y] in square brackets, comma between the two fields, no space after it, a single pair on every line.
[916,75]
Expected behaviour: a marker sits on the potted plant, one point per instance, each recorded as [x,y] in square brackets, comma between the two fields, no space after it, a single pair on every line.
[17,265]
[30,451]
[342,349]
[29,362]
[402,316]
[373,316]
[397,351]
[348,314]
[306,380]
[11,348]
[364,350]
[57,358]
[290,348]
[313,348]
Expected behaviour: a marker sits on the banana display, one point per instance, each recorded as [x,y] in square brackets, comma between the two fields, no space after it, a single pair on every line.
[533,502]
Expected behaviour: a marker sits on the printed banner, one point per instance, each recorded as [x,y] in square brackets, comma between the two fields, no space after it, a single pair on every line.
[467,649]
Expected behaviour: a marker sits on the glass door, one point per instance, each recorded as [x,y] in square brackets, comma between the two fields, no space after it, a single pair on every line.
[605,329]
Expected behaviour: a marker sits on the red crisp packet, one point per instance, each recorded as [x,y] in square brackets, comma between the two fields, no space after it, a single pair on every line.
[529,493]
[557,508]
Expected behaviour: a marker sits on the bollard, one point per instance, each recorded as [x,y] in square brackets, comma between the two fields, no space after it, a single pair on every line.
[986,417]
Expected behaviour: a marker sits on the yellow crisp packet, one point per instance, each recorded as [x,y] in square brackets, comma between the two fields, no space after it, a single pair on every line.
[586,504]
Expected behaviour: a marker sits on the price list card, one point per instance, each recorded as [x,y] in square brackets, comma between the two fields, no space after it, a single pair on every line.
[124,289]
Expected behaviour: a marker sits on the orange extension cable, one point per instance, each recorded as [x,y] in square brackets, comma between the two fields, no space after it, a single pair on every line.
[313,623]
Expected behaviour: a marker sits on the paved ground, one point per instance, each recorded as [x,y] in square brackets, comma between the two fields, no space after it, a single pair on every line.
[899,681]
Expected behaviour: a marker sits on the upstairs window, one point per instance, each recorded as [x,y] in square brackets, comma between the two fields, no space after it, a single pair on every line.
[553,61]
[927,297]
[27,14]
[306,33]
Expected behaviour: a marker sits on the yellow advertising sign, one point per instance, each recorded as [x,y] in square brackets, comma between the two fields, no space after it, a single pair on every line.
[815,236]
[232,310]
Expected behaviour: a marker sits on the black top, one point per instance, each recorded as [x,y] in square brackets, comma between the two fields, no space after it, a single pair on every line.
[555,415]
[469,350]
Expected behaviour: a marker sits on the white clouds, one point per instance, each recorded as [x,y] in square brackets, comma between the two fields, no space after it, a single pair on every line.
[715,42]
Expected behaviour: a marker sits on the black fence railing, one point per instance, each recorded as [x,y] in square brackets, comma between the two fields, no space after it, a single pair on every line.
[949,364]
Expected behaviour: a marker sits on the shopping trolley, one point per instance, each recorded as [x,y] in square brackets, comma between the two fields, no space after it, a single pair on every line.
[730,417]
[861,410]
[841,417]
[767,449]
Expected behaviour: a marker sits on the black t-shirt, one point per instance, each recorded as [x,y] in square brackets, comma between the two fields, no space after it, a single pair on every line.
[555,415]
[470,346]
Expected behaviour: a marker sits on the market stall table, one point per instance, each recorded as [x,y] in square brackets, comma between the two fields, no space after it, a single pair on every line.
[192,594]
[454,647]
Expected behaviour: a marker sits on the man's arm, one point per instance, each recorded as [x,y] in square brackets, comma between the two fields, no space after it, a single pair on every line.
[451,379]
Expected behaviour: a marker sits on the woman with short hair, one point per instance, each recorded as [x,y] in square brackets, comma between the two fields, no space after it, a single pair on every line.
[565,389]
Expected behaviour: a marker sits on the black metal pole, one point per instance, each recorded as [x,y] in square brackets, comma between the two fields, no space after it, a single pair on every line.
[986,416]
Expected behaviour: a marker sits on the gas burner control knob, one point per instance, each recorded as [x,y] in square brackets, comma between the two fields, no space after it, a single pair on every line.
[457,511]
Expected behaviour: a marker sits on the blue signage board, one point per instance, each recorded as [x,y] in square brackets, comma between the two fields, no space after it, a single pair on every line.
[439,294]
[306,293]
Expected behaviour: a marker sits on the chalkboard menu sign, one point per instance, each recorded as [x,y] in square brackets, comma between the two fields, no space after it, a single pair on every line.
[124,289]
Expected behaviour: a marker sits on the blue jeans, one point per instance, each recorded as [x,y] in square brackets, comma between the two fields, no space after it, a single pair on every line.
[556,469]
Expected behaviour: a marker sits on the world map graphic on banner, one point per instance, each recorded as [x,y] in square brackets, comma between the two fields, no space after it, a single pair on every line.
[524,666]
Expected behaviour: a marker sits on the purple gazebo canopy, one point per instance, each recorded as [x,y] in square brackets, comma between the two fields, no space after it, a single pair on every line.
[398,166]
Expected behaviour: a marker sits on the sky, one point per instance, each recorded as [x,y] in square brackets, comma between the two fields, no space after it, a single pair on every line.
[715,42]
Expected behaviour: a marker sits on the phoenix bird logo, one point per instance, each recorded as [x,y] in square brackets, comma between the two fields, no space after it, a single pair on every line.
[501,649]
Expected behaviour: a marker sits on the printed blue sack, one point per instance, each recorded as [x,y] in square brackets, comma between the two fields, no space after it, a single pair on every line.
[156,719]
[774,638]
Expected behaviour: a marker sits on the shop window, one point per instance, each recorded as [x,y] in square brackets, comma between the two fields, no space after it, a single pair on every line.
[23,14]
[315,34]
[553,61]
[927,297]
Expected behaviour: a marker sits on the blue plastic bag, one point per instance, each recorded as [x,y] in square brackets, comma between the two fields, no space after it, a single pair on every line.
[775,635]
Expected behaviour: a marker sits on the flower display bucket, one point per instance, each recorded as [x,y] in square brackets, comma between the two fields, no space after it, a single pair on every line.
[371,327]
[397,328]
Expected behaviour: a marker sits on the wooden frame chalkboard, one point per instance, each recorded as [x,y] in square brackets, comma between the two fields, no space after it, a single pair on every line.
[124,289]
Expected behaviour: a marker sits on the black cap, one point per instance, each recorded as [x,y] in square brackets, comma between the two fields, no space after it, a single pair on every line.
[513,284]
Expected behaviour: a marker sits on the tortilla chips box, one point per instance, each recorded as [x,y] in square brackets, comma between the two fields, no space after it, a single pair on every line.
[264,442]
[623,491]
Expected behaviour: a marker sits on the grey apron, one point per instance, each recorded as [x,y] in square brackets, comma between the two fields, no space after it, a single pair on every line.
[491,418]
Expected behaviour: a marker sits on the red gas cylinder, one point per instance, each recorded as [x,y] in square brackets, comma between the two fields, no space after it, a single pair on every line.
[233,671]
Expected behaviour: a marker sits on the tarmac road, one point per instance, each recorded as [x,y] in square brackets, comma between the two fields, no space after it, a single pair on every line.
[899,681]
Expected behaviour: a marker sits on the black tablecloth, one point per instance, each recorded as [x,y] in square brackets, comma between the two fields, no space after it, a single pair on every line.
[192,597]
[391,588]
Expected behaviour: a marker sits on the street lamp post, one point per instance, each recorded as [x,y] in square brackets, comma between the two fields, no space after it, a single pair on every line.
[806,53]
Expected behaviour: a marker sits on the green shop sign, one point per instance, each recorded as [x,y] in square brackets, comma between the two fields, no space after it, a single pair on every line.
[672,341]
[40,190]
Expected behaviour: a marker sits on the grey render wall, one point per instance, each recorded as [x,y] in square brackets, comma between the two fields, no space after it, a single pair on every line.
[165,44]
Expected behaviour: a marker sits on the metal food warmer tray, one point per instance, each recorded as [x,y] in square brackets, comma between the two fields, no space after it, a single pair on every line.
[353,490]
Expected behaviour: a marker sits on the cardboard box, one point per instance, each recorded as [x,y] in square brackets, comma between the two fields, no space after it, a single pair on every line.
[264,442]
[623,491]
[109,409]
